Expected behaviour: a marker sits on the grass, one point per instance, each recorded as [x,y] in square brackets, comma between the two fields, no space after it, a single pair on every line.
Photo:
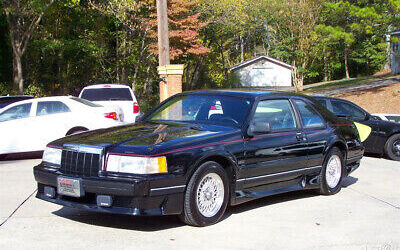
[331,85]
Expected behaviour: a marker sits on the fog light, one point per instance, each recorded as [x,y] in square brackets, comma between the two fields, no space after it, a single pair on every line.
[49,192]
[104,201]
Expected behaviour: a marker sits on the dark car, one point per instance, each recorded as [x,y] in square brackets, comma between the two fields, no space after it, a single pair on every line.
[6,100]
[183,158]
[385,136]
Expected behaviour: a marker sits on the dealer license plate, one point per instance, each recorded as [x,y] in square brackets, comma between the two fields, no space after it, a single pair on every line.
[69,186]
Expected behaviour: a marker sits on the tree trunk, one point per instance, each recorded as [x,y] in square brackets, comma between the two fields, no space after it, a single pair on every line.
[326,77]
[222,58]
[187,76]
[117,57]
[147,82]
[124,68]
[241,49]
[196,72]
[17,72]
[21,30]
[346,67]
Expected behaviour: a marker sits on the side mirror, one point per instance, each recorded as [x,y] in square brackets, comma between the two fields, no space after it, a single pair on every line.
[259,127]
[367,117]
[139,117]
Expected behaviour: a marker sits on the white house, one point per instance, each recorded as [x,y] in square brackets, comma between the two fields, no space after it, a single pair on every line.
[264,72]
[395,52]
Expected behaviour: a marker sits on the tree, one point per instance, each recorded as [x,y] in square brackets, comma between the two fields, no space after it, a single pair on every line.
[23,17]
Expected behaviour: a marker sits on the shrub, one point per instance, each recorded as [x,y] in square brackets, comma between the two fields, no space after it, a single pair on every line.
[34,90]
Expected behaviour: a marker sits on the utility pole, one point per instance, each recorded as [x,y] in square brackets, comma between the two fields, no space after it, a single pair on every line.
[163,39]
[170,75]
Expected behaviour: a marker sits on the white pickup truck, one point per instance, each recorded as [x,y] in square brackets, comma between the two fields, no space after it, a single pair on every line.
[115,95]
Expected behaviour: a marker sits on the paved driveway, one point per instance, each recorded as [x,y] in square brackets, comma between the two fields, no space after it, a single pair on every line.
[364,215]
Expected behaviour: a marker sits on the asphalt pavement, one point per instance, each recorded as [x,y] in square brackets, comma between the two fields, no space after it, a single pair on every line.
[364,215]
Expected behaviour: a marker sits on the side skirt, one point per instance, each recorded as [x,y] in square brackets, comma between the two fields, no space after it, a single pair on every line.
[309,181]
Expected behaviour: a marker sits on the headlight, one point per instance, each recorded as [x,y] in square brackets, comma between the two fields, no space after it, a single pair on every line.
[137,165]
[52,155]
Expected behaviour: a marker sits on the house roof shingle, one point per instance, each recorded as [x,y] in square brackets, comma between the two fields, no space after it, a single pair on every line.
[257,58]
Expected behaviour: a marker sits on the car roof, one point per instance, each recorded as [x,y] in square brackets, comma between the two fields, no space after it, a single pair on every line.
[102,86]
[385,114]
[328,97]
[15,96]
[49,98]
[252,93]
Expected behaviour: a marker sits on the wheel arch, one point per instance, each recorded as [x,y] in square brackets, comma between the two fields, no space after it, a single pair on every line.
[75,129]
[224,159]
[339,144]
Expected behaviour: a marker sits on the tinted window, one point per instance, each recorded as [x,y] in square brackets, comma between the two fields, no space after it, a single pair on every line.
[323,102]
[309,117]
[278,113]
[48,108]
[393,118]
[16,112]
[214,109]
[85,102]
[107,94]
[376,118]
[342,108]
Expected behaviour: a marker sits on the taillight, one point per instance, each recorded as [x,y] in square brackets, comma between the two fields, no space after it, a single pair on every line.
[135,108]
[111,115]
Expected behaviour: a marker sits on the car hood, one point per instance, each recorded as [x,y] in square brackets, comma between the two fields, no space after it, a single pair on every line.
[148,137]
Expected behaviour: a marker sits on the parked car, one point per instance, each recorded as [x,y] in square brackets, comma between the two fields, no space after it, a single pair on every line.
[7,100]
[385,135]
[172,162]
[27,126]
[113,95]
[388,117]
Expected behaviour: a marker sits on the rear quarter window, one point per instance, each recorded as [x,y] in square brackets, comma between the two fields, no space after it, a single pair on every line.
[107,94]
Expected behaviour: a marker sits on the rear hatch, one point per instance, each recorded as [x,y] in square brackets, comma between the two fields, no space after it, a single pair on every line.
[121,98]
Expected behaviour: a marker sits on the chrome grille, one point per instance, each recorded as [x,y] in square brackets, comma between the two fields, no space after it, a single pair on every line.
[80,163]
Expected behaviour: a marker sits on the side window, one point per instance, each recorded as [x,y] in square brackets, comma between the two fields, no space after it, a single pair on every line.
[309,117]
[278,113]
[347,109]
[48,108]
[323,102]
[16,112]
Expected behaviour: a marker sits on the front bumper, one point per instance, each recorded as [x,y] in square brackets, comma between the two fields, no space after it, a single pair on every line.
[129,196]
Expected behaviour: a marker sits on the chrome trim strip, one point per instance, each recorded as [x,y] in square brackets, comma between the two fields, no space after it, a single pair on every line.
[354,157]
[166,188]
[281,173]
[83,148]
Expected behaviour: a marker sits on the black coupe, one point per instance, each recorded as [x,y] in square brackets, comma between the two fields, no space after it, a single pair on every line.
[385,135]
[198,152]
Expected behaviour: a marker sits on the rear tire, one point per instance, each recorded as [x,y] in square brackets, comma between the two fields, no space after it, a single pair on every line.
[332,172]
[206,196]
[392,147]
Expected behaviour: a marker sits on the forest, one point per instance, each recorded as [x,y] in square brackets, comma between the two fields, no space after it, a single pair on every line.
[56,47]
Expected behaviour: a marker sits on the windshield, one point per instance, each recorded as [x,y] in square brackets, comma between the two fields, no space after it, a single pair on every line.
[211,109]
[85,102]
[107,94]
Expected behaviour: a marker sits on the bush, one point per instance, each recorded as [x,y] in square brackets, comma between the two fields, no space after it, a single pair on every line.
[34,90]
[6,89]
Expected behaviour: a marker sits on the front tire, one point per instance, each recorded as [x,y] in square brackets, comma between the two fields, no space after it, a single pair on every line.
[332,172]
[392,147]
[206,196]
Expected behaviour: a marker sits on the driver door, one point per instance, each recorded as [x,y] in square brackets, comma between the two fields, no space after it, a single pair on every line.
[273,156]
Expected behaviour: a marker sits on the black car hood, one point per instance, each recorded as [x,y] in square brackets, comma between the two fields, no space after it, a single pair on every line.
[147,137]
